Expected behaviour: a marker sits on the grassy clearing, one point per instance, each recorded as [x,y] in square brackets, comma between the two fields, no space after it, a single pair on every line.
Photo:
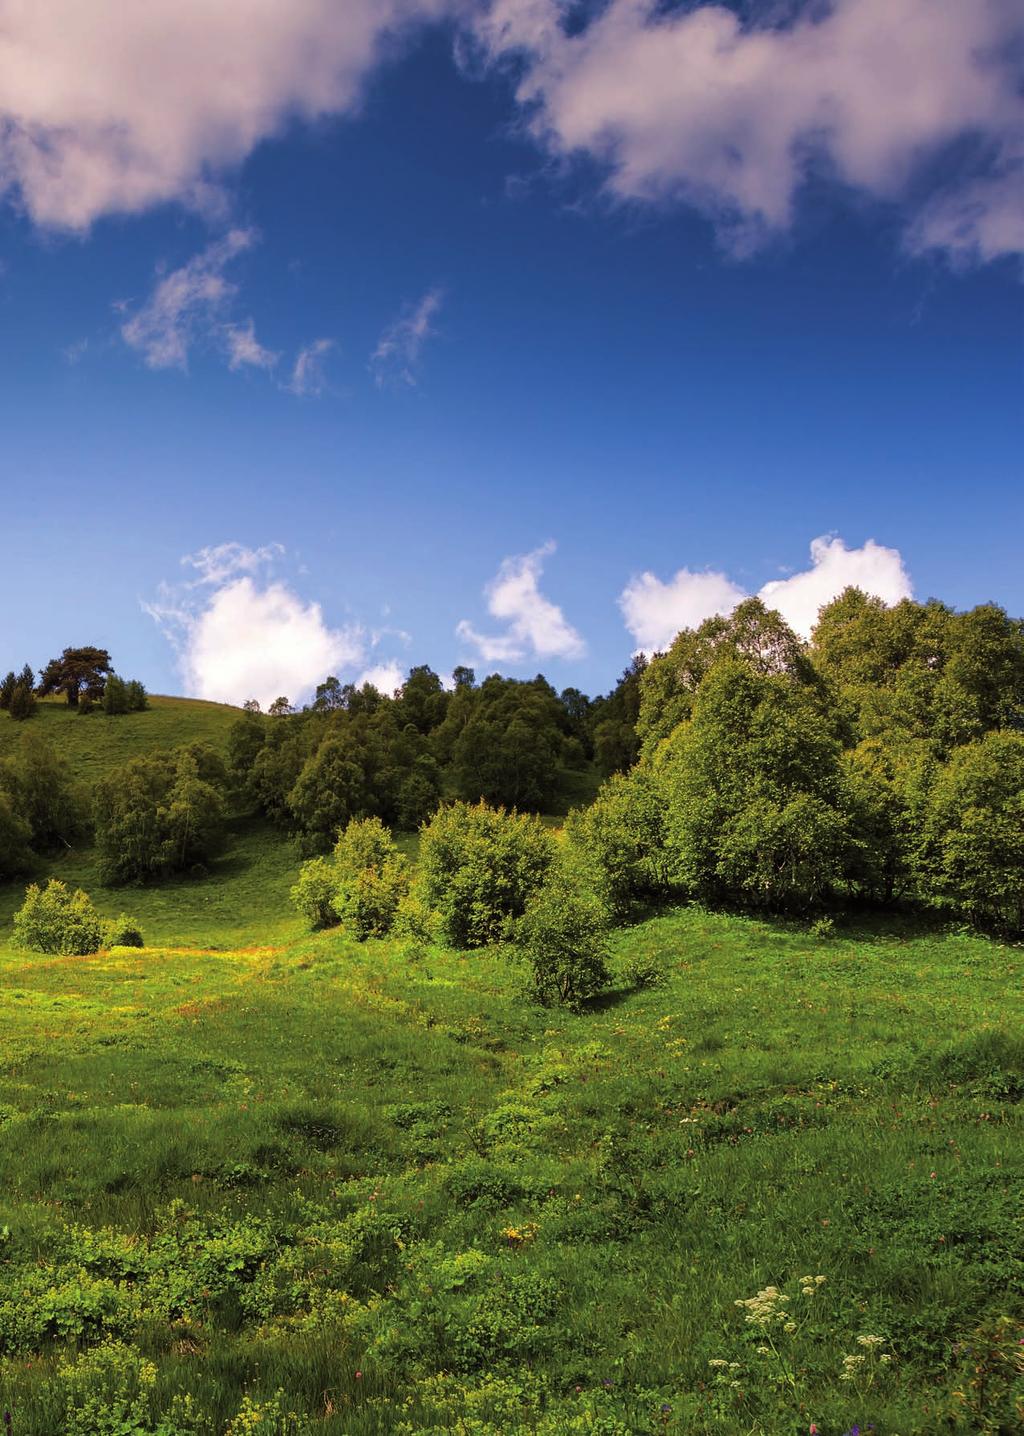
[378,1179]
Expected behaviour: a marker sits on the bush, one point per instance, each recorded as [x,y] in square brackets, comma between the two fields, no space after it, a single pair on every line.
[23,703]
[563,935]
[360,885]
[479,867]
[315,891]
[618,844]
[124,931]
[54,920]
[15,839]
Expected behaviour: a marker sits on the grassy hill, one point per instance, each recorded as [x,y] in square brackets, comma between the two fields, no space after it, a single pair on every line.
[94,743]
[381,1182]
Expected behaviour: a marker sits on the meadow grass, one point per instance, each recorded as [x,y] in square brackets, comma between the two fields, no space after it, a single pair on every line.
[92,743]
[378,1179]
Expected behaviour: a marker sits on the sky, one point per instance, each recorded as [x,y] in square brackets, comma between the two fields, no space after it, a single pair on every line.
[511,333]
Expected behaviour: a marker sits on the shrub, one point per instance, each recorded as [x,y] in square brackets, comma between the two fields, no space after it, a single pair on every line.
[479,868]
[618,844]
[23,703]
[54,920]
[315,891]
[563,935]
[123,931]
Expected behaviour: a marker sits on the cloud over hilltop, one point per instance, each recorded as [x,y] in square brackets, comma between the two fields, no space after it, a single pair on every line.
[655,610]
[535,627]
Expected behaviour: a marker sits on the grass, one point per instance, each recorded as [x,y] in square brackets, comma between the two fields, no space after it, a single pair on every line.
[93,743]
[379,1180]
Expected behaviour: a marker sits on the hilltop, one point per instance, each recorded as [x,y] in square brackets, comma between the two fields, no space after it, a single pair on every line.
[94,743]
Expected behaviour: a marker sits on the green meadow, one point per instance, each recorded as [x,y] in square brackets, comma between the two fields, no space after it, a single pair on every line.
[257,1181]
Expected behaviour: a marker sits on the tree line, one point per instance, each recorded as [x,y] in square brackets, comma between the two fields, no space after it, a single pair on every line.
[84,676]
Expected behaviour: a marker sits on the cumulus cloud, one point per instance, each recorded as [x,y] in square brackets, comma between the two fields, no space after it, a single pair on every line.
[241,634]
[396,358]
[535,625]
[733,115]
[655,611]
[111,108]
[877,570]
[385,677]
[188,307]
[309,377]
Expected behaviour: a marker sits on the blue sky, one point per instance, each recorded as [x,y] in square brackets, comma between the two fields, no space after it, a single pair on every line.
[502,334]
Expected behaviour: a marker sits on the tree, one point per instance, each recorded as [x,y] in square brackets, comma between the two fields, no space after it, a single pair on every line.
[40,787]
[975,831]
[156,816]
[7,686]
[23,703]
[756,805]
[15,840]
[77,672]
[479,867]
[617,845]
[115,696]
[331,790]
[280,708]
[507,742]
[754,636]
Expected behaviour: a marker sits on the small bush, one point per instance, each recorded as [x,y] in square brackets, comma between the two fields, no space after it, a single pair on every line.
[644,972]
[823,928]
[314,893]
[124,931]
[564,937]
[23,703]
[479,868]
[54,920]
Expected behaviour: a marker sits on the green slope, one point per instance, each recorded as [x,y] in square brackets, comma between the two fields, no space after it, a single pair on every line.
[94,743]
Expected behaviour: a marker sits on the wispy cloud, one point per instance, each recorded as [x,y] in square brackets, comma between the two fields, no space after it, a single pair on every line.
[535,625]
[655,610]
[189,305]
[396,359]
[309,376]
[240,633]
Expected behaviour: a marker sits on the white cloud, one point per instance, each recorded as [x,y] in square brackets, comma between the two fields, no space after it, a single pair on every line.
[694,104]
[385,677]
[535,625]
[113,108]
[188,307]
[655,611]
[308,374]
[877,570]
[245,349]
[397,355]
[239,636]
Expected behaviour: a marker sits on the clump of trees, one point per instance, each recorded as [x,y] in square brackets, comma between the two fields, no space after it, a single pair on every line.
[79,673]
[17,694]
[361,885]
[83,675]
[161,814]
[122,695]
[42,808]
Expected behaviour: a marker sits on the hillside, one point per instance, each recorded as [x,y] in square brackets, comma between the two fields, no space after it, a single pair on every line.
[93,743]
[380,1182]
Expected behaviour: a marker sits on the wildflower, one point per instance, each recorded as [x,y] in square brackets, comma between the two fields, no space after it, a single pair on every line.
[764,1351]
[790,1326]
[359,1376]
[813,1429]
[809,1290]
[717,1361]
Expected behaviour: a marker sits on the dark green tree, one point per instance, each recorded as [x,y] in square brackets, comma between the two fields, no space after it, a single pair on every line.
[78,673]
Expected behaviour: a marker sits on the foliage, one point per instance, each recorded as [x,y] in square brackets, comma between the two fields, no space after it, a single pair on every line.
[315,891]
[15,840]
[361,885]
[975,831]
[40,787]
[23,702]
[479,867]
[506,742]
[123,931]
[618,843]
[123,696]
[55,920]
[563,936]
[79,673]
[158,815]
[756,807]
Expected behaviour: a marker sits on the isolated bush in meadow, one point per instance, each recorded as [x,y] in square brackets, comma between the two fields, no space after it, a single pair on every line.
[564,937]
[56,920]
[479,867]
[123,931]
